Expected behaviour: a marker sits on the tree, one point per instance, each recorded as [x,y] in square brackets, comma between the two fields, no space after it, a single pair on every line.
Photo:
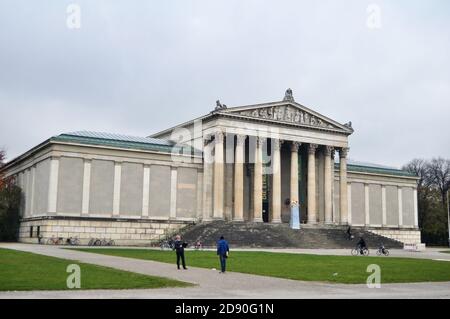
[433,183]
[440,175]
[2,157]
[10,198]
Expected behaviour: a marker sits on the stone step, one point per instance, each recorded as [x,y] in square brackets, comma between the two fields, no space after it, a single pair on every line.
[242,234]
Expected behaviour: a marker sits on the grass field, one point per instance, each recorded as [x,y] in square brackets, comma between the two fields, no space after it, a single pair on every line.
[337,269]
[27,271]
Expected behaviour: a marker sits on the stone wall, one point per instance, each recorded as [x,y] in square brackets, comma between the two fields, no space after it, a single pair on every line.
[404,236]
[122,232]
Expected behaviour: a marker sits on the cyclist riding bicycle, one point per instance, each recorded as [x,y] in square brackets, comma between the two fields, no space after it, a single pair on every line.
[361,245]
[382,249]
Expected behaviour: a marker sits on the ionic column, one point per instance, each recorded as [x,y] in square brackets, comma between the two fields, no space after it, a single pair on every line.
[207,178]
[327,185]
[258,187]
[294,171]
[343,185]
[312,218]
[276,182]
[218,176]
[239,179]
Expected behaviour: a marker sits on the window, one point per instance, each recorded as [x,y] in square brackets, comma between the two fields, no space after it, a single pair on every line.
[31,231]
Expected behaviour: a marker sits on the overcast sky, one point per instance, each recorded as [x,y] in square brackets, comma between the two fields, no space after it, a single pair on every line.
[137,67]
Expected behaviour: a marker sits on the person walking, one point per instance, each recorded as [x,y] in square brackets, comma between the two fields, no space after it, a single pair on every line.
[179,249]
[349,233]
[223,251]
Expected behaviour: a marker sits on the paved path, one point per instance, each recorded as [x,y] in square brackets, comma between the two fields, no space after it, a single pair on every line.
[429,253]
[211,284]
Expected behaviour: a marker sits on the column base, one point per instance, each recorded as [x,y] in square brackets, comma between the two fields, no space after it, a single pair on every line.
[238,219]
[312,223]
[257,220]
[276,221]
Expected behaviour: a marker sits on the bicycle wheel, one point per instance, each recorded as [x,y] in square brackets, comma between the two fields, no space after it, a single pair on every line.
[355,252]
[378,252]
[97,242]
[76,242]
[50,241]
[91,242]
[112,243]
[366,252]
[386,252]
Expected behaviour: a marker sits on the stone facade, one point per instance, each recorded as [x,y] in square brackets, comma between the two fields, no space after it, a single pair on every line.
[123,232]
[246,163]
[401,235]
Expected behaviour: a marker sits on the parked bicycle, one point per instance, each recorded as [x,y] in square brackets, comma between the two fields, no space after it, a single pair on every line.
[55,240]
[101,242]
[73,241]
[358,251]
[107,242]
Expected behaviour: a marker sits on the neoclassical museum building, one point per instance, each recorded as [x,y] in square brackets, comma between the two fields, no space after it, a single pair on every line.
[243,164]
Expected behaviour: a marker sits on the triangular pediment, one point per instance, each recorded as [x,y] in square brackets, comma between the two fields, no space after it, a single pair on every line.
[289,113]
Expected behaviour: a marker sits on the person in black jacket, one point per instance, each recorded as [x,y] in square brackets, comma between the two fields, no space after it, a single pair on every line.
[179,249]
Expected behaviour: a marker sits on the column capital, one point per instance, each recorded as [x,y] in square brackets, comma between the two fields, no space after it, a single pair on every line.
[277,144]
[343,152]
[295,146]
[312,148]
[240,139]
[328,150]
[218,136]
[206,139]
[260,141]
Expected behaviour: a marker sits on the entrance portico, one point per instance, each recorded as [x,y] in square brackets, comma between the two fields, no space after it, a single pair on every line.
[255,168]
[268,142]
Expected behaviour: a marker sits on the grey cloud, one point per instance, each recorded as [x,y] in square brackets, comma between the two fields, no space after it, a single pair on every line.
[137,67]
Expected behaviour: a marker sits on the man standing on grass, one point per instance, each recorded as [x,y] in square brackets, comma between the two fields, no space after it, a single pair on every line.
[179,248]
[222,251]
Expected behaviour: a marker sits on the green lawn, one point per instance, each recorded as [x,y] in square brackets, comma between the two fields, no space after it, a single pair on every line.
[27,271]
[338,269]
[445,251]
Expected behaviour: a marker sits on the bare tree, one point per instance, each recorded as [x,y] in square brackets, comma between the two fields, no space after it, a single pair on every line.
[421,168]
[2,157]
[439,170]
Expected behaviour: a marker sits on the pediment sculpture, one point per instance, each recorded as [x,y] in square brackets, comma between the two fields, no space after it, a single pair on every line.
[288,114]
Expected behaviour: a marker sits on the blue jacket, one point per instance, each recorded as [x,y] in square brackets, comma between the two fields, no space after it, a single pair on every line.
[222,247]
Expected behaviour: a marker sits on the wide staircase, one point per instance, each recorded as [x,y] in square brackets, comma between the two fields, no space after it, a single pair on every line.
[263,235]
